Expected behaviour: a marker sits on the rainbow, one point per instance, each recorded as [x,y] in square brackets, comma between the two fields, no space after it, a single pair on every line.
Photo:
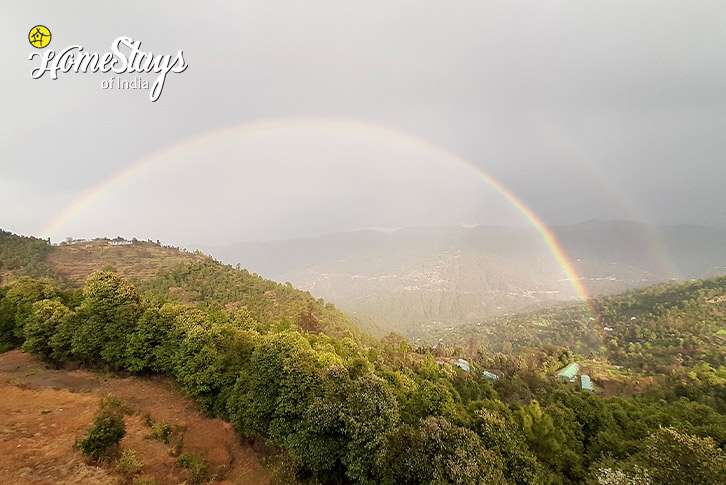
[286,124]
[568,151]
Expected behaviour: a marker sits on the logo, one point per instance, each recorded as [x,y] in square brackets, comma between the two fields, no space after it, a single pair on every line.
[39,36]
[125,57]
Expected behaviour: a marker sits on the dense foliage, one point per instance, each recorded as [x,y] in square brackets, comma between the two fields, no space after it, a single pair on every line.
[564,325]
[349,412]
[24,256]
[212,286]
[664,327]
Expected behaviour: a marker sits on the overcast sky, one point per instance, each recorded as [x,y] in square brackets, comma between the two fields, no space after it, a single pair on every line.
[297,118]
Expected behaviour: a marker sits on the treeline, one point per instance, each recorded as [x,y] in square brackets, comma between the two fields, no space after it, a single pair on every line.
[346,412]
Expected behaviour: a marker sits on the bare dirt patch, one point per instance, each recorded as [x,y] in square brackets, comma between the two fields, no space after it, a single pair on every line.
[44,410]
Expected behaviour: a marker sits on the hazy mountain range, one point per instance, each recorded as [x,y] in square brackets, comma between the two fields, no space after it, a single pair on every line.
[401,279]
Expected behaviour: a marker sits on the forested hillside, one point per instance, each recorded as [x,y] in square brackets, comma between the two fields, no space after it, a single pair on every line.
[562,325]
[667,326]
[170,274]
[344,409]
[24,256]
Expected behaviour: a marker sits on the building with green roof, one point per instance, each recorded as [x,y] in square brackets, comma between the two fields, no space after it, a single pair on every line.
[586,383]
[569,373]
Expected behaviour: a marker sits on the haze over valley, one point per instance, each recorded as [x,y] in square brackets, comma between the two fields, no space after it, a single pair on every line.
[402,280]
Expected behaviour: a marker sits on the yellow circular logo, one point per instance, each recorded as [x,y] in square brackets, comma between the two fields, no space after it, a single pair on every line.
[39,36]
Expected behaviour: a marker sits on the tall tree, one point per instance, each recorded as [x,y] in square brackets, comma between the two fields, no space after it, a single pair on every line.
[108,315]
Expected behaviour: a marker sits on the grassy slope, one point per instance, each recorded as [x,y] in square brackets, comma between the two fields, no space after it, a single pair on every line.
[138,262]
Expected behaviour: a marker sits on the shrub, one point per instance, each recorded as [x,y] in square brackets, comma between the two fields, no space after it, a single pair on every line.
[128,465]
[196,464]
[107,430]
[160,432]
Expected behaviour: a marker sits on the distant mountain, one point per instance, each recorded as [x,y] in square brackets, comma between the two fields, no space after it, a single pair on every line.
[678,251]
[405,279]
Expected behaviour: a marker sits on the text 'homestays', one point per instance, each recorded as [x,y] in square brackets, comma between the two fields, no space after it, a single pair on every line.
[125,57]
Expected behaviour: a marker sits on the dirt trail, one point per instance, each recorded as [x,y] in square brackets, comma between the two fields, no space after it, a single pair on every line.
[43,411]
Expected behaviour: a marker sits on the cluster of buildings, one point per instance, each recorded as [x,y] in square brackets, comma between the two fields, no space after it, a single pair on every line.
[466,367]
[569,374]
[120,242]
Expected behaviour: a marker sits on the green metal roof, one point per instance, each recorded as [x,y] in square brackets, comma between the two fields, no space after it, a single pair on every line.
[586,383]
[570,371]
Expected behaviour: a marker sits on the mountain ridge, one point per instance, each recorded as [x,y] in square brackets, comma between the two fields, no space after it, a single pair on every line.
[483,270]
